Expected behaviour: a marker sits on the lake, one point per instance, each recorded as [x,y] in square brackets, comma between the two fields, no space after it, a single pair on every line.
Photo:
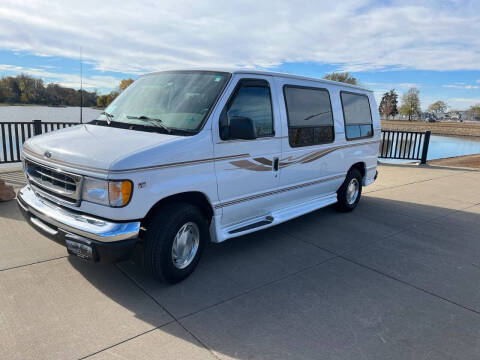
[440,146]
[446,146]
[46,113]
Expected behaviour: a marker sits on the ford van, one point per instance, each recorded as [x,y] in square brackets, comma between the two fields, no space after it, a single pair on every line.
[181,158]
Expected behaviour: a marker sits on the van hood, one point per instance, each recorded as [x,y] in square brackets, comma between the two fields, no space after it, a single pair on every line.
[93,146]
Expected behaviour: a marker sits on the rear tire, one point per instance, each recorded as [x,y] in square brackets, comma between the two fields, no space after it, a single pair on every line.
[349,193]
[174,242]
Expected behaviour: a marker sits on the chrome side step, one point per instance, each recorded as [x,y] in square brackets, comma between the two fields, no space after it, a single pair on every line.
[220,234]
[267,221]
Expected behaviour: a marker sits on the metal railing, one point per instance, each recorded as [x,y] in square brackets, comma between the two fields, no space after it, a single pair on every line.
[14,134]
[405,145]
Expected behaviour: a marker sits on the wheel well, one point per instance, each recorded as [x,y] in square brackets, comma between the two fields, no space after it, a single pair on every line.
[360,166]
[193,197]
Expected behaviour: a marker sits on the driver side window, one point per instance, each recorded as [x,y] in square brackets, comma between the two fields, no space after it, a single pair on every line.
[252,99]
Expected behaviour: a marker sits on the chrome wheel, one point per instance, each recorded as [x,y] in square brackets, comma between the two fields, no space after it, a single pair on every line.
[353,190]
[185,245]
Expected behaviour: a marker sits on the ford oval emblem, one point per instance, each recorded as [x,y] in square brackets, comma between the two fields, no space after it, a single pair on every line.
[48,154]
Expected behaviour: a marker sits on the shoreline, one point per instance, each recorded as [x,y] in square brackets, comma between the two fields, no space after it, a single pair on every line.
[50,106]
[465,161]
[463,130]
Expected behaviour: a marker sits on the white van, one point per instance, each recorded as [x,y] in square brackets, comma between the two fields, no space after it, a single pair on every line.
[184,157]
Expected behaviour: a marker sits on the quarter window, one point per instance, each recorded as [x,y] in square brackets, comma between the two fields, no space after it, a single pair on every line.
[252,99]
[310,120]
[357,115]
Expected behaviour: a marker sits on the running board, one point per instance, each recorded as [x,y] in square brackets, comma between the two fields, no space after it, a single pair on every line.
[267,221]
[219,234]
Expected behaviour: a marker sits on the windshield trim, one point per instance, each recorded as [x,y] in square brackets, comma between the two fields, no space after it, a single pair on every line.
[228,76]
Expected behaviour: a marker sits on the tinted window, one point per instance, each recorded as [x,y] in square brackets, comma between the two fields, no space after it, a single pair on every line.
[252,100]
[357,115]
[310,119]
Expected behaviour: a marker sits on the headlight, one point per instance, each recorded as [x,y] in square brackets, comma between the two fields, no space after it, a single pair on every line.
[110,193]
[95,190]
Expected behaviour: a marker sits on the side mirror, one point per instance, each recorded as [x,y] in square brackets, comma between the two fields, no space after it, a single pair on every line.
[242,128]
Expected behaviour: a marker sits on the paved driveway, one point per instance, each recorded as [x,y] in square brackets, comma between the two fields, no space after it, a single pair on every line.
[399,278]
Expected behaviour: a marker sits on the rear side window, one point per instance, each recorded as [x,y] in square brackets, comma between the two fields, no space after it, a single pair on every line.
[252,99]
[357,115]
[309,111]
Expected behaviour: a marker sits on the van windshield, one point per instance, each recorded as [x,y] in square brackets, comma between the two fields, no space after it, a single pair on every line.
[173,100]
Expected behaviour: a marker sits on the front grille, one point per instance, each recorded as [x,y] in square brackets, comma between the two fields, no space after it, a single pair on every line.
[56,183]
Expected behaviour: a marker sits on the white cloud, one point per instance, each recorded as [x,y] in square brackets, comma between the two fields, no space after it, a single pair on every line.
[462,103]
[461,86]
[387,86]
[141,36]
[68,80]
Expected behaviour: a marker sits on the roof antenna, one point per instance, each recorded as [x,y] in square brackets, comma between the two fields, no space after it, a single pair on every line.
[81,87]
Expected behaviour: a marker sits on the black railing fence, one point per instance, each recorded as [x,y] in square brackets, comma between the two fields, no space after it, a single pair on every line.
[405,145]
[14,134]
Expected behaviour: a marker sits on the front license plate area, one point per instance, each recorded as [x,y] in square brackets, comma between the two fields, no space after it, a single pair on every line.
[81,250]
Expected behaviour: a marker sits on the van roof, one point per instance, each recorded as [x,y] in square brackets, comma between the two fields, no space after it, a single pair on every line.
[274,73]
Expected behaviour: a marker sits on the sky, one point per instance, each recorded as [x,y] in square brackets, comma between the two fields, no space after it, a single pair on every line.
[431,45]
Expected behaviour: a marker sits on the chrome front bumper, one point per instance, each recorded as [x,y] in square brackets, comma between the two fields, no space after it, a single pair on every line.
[53,219]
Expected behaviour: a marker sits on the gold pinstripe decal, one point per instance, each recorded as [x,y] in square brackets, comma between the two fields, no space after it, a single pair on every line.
[264,164]
[273,192]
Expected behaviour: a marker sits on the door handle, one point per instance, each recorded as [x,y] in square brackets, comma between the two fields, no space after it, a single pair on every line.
[275,164]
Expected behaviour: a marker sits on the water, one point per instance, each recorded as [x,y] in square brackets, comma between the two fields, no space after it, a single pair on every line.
[445,146]
[440,147]
[46,113]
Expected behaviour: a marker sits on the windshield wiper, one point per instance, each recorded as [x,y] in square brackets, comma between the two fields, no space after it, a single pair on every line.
[155,121]
[108,116]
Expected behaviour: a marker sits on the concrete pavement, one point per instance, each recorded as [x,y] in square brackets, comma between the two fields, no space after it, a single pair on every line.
[396,279]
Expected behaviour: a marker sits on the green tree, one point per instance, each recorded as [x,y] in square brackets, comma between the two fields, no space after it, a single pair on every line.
[13,90]
[475,109]
[125,83]
[112,97]
[410,103]
[6,93]
[29,90]
[344,77]
[438,107]
[104,100]
[388,104]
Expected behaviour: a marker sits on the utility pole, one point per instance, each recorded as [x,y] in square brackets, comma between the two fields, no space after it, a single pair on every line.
[81,87]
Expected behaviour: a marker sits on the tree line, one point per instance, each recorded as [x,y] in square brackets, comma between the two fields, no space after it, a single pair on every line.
[411,105]
[25,89]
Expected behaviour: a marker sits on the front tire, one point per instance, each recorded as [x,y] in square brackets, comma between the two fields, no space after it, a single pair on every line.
[349,193]
[174,242]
